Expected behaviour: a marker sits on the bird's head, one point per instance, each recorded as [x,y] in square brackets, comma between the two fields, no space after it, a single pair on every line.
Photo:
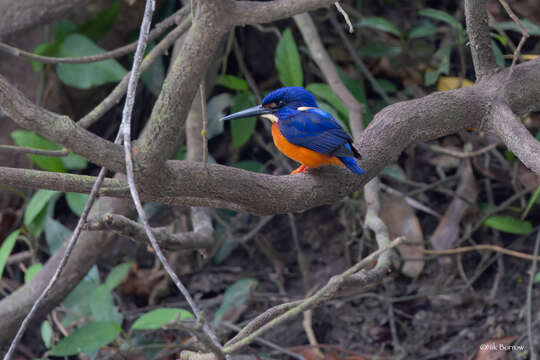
[279,102]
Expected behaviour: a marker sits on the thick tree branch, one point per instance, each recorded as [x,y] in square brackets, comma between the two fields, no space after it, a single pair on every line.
[515,136]
[58,128]
[165,131]
[249,12]
[392,129]
[477,20]
[24,14]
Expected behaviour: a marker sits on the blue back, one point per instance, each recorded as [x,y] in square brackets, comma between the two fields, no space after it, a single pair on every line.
[314,129]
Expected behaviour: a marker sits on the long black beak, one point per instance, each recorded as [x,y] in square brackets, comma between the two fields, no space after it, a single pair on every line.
[254,111]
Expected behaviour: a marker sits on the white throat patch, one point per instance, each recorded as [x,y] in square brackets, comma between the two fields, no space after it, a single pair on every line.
[271,117]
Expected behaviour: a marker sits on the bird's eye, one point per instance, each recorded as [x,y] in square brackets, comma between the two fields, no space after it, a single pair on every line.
[281,103]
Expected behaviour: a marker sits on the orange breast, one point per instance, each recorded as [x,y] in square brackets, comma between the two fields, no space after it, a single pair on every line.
[301,154]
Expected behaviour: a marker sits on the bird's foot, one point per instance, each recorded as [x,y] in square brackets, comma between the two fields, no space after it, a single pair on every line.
[301,169]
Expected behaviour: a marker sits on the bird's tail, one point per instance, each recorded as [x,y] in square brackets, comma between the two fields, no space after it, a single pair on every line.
[351,164]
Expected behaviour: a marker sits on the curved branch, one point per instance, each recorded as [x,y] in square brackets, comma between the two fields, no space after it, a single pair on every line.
[515,136]
[392,130]
[477,20]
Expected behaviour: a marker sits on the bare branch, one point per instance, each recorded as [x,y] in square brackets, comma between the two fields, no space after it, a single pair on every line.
[154,34]
[23,14]
[58,128]
[248,12]
[516,137]
[321,57]
[200,238]
[119,91]
[164,132]
[477,20]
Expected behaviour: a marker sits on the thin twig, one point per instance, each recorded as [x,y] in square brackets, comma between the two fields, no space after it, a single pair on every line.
[32,151]
[481,247]
[358,61]
[204,131]
[126,129]
[126,49]
[529,314]
[345,15]
[460,154]
[266,342]
[114,97]
[325,293]
[524,34]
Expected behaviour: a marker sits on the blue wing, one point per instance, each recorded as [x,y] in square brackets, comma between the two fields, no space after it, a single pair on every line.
[316,130]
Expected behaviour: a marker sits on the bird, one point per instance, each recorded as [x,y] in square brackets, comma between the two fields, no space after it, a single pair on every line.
[303,132]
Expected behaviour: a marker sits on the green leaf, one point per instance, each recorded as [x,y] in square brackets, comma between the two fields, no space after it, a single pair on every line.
[531,27]
[287,61]
[7,248]
[36,204]
[441,16]
[32,271]
[117,275]
[537,278]
[387,85]
[155,319]
[356,87]
[46,333]
[377,50]
[88,338]
[380,23]
[532,200]
[499,56]
[443,54]
[324,91]
[63,29]
[30,140]
[424,30]
[249,165]
[97,27]
[509,225]
[181,153]
[74,162]
[76,202]
[232,82]
[242,129]
[102,306]
[235,298]
[84,76]
[55,234]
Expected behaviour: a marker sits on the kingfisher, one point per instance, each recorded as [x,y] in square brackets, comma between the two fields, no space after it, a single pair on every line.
[303,132]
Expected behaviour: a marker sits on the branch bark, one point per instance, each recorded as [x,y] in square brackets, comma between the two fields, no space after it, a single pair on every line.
[516,137]
[24,14]
[477,20]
